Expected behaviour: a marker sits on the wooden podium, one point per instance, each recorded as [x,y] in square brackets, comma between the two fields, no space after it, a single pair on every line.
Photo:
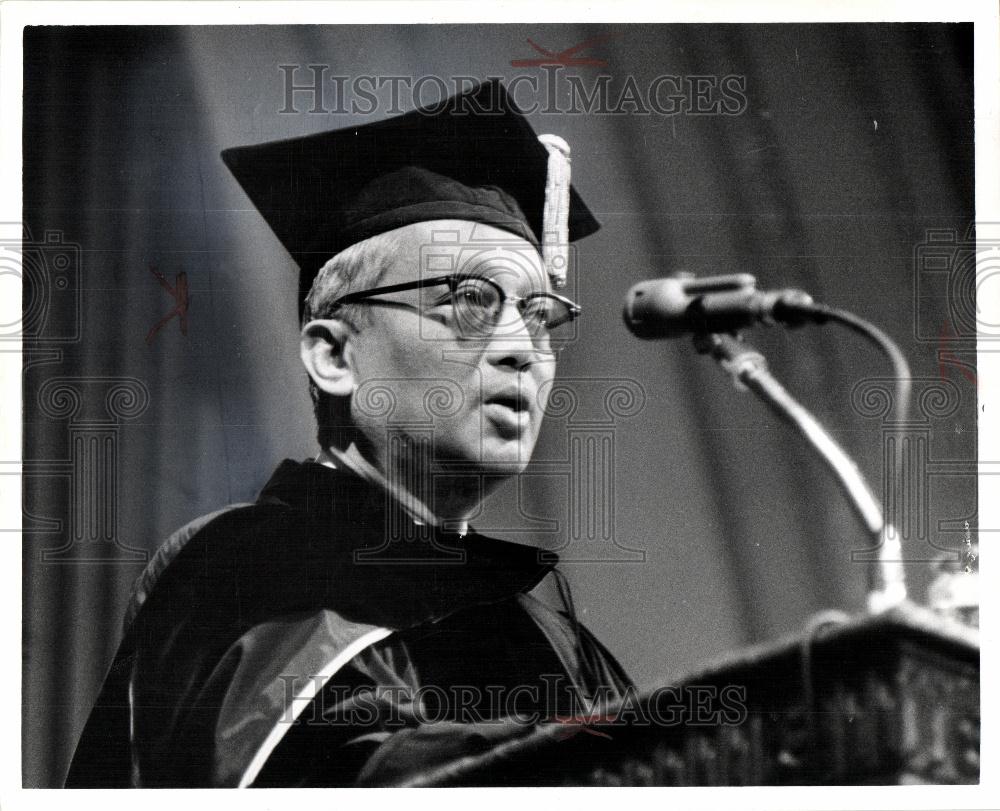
[885,699]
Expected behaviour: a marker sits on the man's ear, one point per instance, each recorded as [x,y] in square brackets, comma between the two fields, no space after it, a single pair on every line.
[326,351]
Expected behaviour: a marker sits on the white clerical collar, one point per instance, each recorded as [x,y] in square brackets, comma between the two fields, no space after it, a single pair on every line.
[419,512]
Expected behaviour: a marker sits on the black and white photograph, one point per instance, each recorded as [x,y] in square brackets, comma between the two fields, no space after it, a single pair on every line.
[410,397]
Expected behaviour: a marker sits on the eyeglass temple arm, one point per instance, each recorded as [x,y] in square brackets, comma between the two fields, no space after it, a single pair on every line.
[392,288]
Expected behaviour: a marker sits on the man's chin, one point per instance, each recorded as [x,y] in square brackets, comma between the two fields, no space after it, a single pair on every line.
[509,456]
[503,467]
[497,459]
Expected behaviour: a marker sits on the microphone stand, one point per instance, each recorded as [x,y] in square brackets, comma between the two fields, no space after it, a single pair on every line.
[748,367]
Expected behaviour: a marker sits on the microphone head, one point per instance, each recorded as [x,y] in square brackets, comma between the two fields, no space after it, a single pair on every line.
[655,308]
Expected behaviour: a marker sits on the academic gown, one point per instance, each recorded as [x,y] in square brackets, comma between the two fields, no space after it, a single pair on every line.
[320,637]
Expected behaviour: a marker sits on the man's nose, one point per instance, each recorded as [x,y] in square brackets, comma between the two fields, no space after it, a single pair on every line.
[511,343]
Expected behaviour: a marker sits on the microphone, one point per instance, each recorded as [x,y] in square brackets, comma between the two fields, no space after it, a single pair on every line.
[683,305]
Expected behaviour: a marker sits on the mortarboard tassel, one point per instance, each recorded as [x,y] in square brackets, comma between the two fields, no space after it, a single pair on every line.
[555,218]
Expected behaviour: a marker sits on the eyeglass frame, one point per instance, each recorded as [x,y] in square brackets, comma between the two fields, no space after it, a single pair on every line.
[452,280]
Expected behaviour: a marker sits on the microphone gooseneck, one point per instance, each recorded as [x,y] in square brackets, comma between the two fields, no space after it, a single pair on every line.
[714,310]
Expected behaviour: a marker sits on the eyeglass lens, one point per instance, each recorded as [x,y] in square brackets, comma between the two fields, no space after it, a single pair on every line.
[480,313]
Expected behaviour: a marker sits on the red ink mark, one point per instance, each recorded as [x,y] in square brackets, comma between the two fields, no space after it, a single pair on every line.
[565,58]
[576,724]
[947,357]
[180,294]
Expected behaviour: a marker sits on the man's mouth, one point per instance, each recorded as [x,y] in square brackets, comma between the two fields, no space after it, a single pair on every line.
[510,412]
[515,400]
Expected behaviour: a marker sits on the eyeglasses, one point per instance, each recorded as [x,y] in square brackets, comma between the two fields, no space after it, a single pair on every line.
[474,309]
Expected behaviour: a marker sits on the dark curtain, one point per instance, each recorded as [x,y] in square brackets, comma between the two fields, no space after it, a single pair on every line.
[700,522]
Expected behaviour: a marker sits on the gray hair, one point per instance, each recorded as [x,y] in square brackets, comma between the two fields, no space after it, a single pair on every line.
[358,267]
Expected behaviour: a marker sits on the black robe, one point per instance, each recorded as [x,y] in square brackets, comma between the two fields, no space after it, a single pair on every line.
[290,643]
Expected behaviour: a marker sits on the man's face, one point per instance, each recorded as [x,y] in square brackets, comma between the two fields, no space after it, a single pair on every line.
[480,402]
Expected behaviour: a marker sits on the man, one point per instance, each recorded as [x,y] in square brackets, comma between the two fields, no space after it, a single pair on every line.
[351,627]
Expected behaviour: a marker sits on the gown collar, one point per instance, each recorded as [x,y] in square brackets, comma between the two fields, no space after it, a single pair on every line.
[429,570]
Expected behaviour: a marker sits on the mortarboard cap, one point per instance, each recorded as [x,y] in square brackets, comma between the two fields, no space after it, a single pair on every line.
[471,157]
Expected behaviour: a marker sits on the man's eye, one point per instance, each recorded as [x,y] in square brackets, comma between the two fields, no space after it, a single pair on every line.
[475,296]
